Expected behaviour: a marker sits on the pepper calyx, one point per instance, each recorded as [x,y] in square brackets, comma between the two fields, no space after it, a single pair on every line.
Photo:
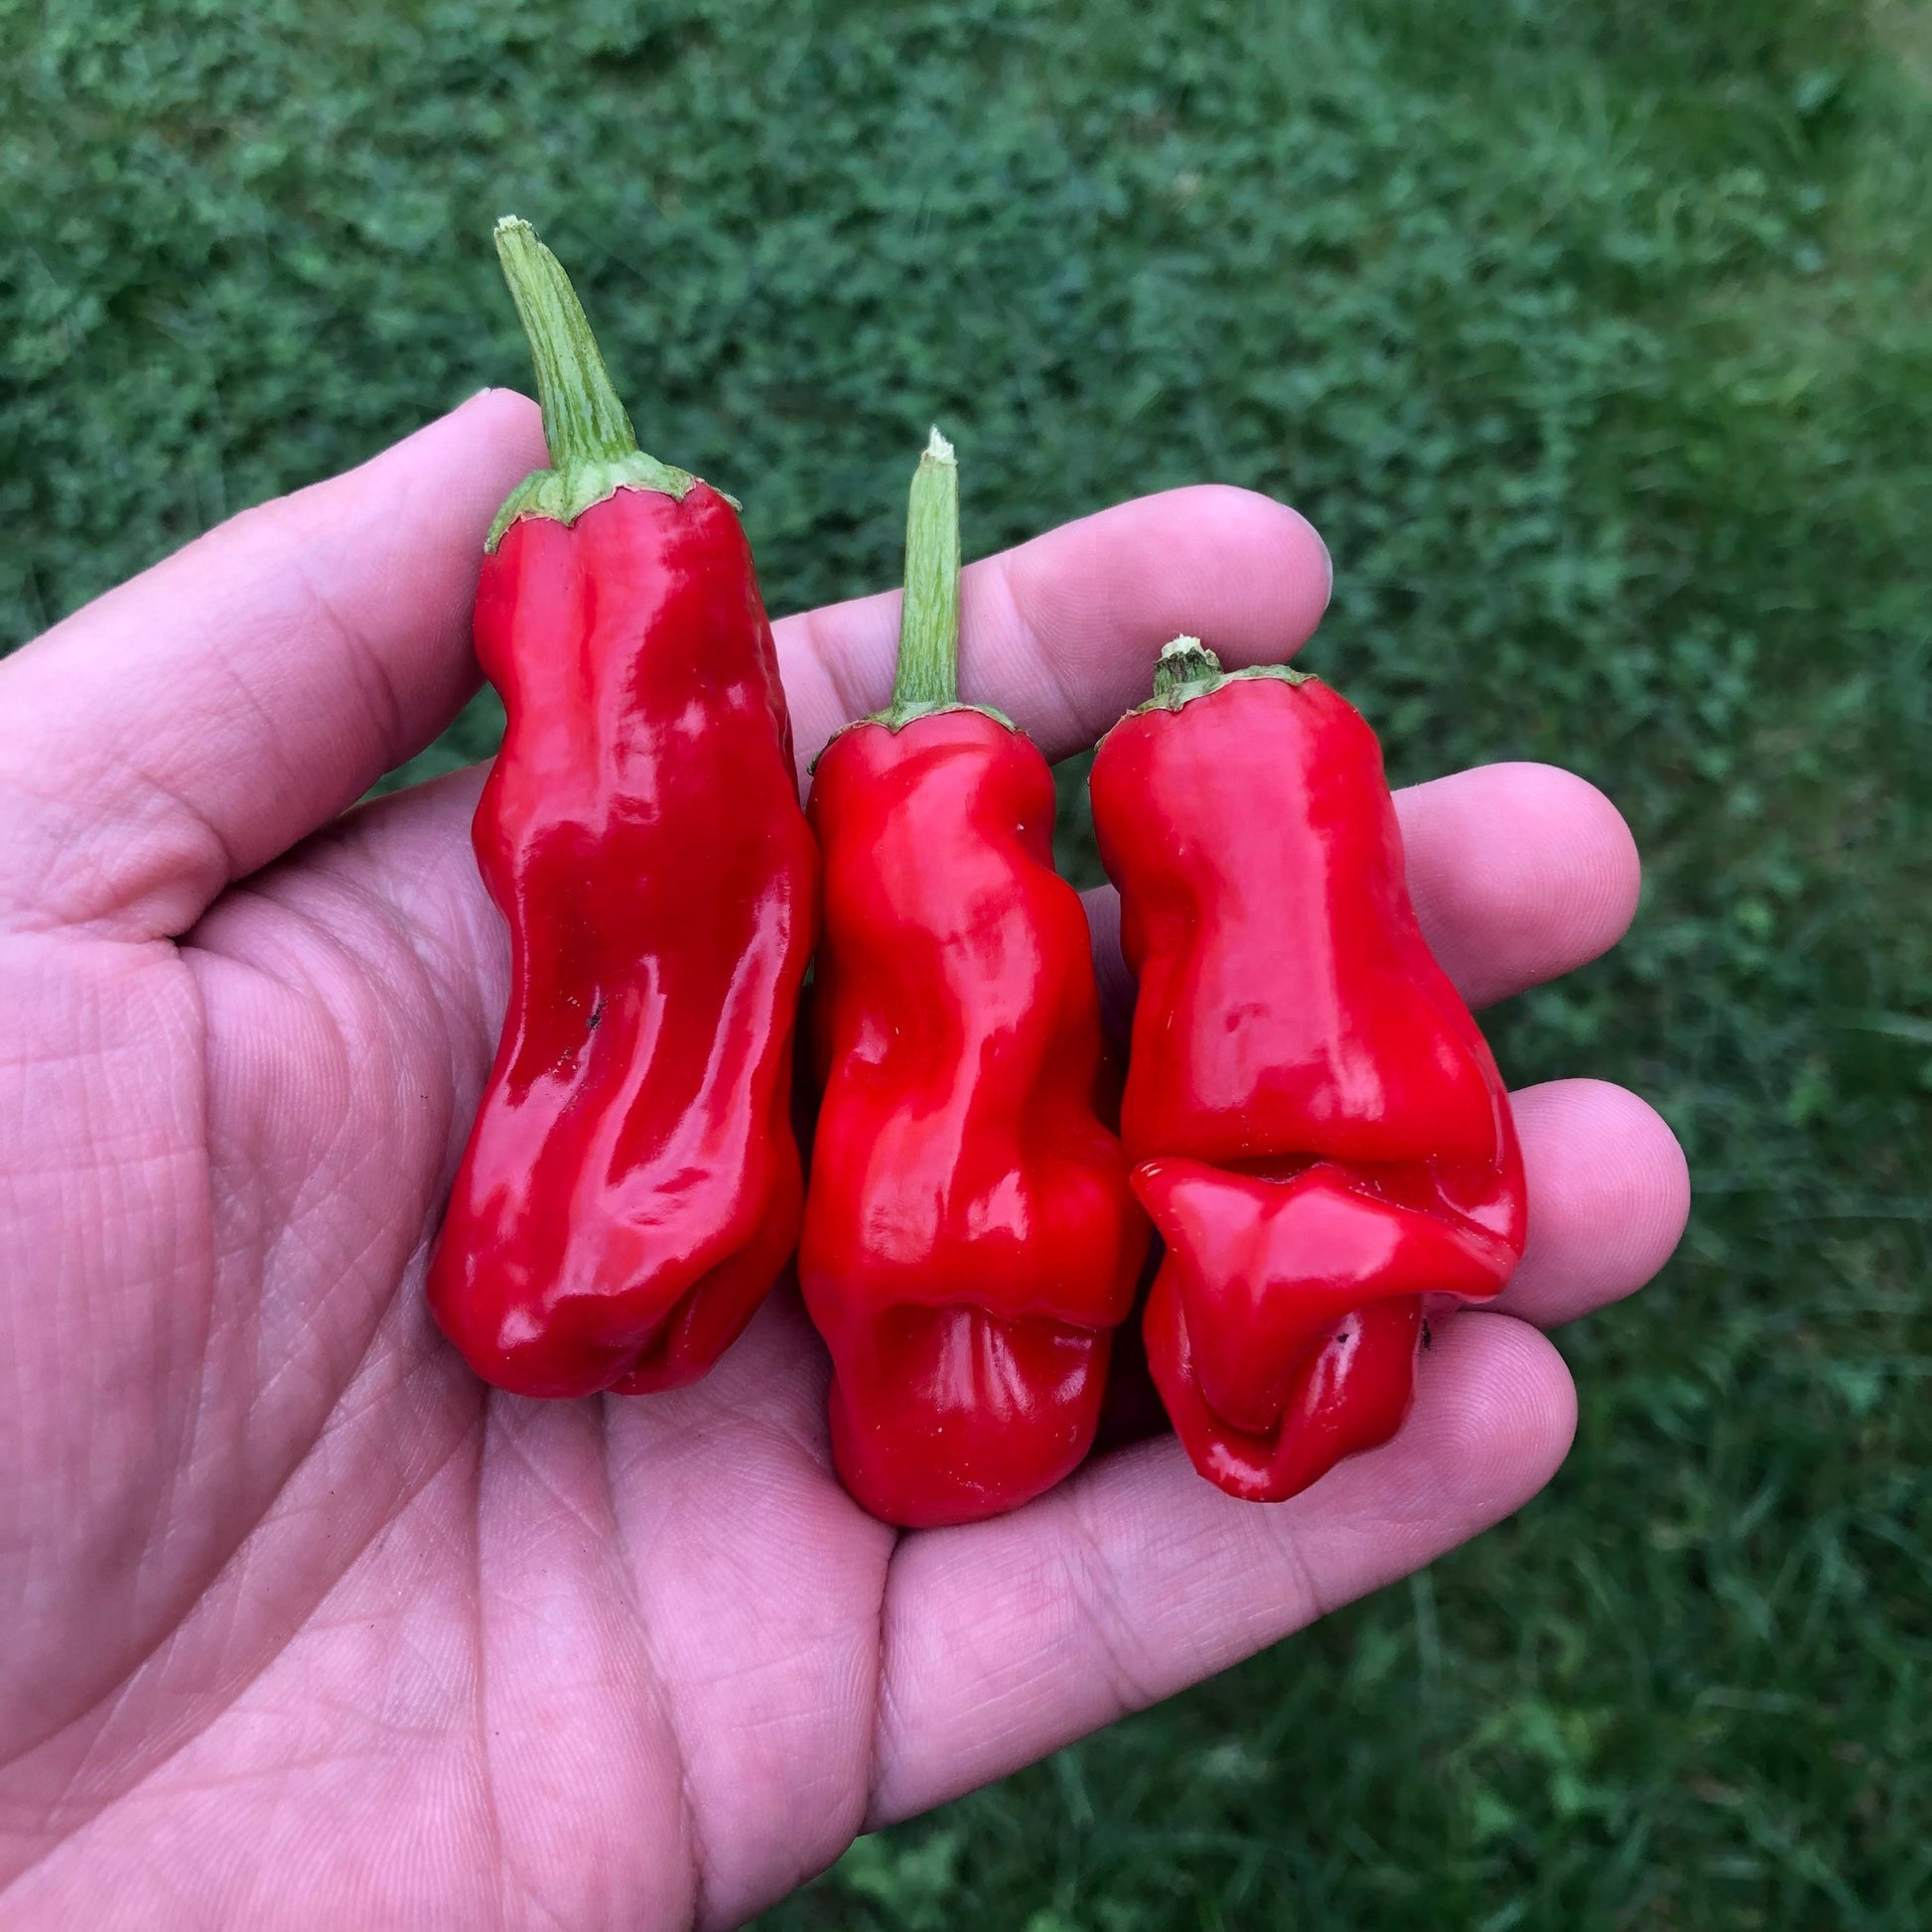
[563,495]
[895,717]
[1187,669]
[593,450]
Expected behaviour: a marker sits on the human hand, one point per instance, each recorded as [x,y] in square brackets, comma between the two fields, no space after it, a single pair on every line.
[305,1627]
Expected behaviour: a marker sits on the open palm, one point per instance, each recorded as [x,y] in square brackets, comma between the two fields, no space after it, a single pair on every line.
[304,1626]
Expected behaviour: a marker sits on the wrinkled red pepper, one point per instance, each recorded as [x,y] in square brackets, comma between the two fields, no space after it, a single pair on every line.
[631,1186]
[1319,1129]
[970,1238]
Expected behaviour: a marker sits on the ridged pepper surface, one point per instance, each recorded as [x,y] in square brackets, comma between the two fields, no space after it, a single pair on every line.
[631,1186]
[1319,1128]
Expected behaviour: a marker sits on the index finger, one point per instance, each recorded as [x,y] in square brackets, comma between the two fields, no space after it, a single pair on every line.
[1061,633]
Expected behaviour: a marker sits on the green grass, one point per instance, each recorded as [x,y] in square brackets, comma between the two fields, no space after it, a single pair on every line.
[1597,338]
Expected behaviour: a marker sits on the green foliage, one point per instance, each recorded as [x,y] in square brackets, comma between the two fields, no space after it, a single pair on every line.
[1595,339]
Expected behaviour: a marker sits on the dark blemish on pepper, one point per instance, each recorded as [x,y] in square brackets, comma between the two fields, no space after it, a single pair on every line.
[597,1014]
[1428,1340]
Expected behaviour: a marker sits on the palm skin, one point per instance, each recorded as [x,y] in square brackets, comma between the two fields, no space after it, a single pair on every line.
[306,1626]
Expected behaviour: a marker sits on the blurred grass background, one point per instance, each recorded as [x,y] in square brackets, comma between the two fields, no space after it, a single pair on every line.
[1597,341]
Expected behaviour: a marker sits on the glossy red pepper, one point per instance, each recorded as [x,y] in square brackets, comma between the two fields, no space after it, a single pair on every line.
[631,1186]
[970,1238]
[1320,1131]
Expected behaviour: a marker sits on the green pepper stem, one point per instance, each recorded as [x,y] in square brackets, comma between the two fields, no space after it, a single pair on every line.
[1185,662]
[583,420]
[592,449]
[928,677]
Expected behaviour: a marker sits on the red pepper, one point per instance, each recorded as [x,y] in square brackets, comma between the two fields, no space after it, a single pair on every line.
[631,1186]
[970,1238]
[1320,1131]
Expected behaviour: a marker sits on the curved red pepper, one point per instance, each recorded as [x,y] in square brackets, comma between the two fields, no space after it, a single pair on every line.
[1321,1133]
[970,1239]
[632,1185]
